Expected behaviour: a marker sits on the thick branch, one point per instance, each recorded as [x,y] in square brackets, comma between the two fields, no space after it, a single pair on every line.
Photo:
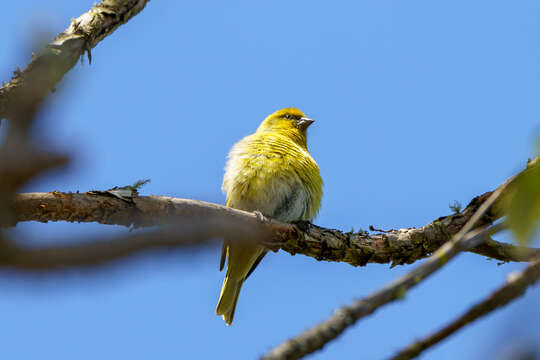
[395,246]
[59,56]
[514,288]
[190,222]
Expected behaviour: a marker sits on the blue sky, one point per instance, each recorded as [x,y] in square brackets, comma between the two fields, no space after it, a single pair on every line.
[417,104]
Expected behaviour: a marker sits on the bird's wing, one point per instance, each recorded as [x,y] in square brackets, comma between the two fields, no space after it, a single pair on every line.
[224,247]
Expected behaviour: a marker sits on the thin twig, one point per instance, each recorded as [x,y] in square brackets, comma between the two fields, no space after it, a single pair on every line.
[514,288]
[326,331]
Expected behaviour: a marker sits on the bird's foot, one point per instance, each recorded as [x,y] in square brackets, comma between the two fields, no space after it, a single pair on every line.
[303,224]
[270,242]
[260,216]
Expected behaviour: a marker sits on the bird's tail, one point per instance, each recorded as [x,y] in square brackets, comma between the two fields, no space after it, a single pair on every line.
[228,298]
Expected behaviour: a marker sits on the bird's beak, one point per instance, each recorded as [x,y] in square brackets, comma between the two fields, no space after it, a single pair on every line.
[304,122]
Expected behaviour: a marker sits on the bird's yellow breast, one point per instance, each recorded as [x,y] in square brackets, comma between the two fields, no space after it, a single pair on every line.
[271,173]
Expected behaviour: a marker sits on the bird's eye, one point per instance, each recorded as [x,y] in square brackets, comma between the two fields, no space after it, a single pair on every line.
[287,116]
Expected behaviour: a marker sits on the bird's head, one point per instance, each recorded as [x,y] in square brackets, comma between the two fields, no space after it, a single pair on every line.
[290,122]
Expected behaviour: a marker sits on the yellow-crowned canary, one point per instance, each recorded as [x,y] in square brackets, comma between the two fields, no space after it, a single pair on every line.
[271,172]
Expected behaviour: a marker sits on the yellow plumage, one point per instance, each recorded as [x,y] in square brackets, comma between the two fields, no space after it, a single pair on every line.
[270,171]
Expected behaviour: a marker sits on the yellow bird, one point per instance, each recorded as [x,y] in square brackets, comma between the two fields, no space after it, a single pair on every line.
[272,172]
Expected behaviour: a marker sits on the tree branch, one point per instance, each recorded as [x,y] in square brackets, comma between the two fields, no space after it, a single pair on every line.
[59,56]
[326,331]
[356,248]
[514,288]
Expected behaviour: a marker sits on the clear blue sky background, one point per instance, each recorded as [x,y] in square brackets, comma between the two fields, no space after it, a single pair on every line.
[418,104]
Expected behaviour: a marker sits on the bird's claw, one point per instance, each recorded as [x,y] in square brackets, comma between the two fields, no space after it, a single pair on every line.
[303,224]
[260,216]
[271,244]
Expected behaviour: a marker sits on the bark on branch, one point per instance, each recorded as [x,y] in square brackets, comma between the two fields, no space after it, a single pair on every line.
[356,248]
[59,56]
